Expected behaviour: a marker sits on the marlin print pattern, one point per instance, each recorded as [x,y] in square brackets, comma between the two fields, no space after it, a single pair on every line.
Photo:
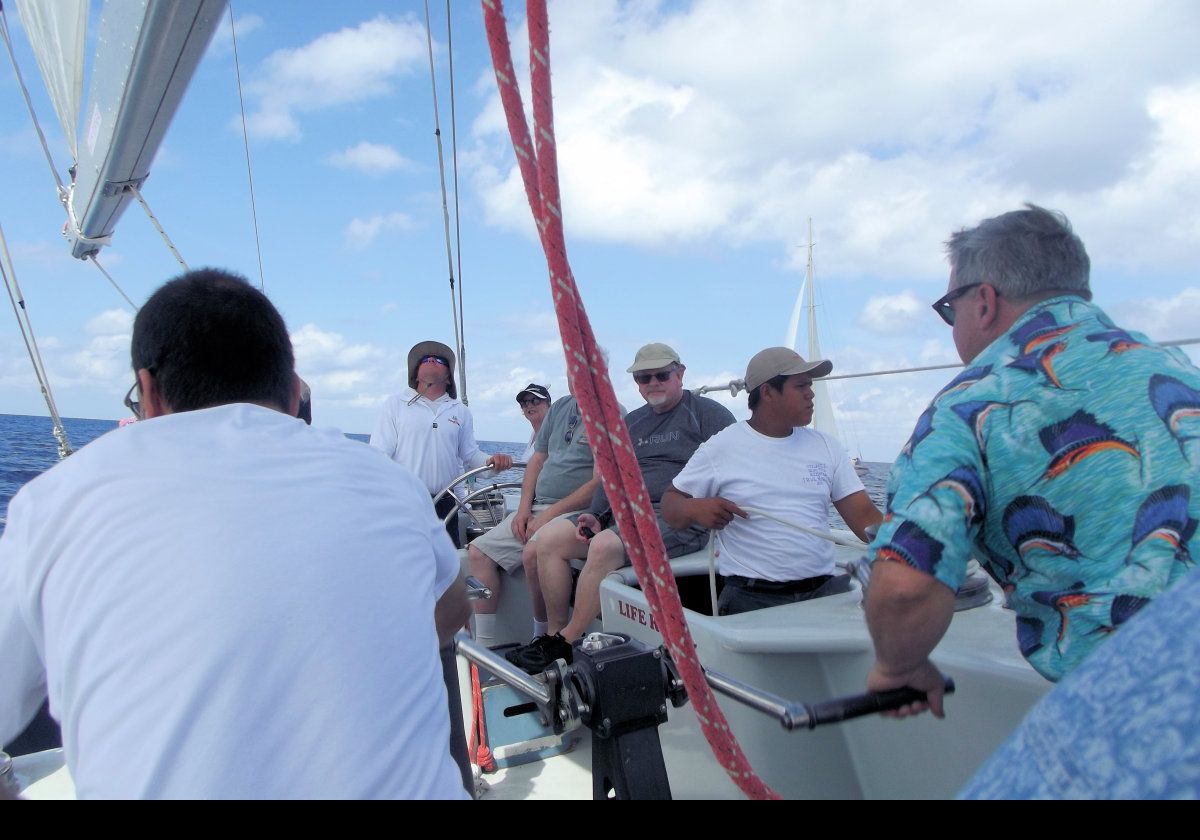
[1125,607]
[1031,523]
[1174,403]
[920,431]
[1164,516]
[1038,330]
[975,414]
[912,546]
[1029,635]
[1078,437]
[1118,340]
[1041,361]
[964,481]
[1064,601]
[964,380]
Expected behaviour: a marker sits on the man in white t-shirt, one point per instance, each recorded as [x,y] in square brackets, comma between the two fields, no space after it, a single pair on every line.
[770,462]
[221,601]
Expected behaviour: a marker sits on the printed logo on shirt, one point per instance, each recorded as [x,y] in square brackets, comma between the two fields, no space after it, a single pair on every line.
[658,437]
[454,420]
[816,474]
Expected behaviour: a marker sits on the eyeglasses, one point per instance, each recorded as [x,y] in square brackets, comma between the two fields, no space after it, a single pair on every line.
[661,376]
[437,360]
[528,401]
[571,427]
[942,305]
[134,406]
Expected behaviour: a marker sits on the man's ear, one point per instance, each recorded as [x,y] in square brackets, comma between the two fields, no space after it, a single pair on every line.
[293,406]
[153,404]
[989,306]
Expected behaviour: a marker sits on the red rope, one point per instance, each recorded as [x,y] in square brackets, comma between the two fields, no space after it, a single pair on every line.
[611,446]
[477,747]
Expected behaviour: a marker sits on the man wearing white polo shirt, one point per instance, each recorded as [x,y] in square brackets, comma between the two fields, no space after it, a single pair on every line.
[771,462]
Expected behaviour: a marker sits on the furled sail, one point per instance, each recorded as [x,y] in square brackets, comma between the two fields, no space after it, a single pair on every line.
[146,55]
[56,30]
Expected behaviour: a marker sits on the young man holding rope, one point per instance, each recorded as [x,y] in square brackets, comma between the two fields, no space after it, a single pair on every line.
[770,462]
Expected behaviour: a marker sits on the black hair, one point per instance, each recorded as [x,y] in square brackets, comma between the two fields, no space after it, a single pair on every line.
[210,338]
[775,382]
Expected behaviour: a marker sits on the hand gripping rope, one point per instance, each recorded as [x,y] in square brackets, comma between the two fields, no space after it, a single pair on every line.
[589,377]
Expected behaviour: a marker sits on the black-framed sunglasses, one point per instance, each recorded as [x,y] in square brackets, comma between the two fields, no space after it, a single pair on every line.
[661,376]
[134,406]
[528,401]
[437,360]
[575,418]
[942,305]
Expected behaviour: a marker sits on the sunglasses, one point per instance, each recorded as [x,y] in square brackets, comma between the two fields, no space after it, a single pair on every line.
[437,360]
[528,401]
[134,406]
[660,376]
[942,305]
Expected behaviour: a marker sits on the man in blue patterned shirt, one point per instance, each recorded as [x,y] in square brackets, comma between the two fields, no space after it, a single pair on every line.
[1066,458]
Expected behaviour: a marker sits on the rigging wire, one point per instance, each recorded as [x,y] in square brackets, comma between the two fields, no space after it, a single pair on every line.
[25,325]
[154,221]
[462,309]
[237,67]
[4,32]
[92,259]
[437,133]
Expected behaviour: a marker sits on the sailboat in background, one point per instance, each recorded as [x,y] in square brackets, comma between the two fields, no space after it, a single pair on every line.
[823,416]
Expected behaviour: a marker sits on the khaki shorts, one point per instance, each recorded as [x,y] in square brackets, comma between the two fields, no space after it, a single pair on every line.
[502,547]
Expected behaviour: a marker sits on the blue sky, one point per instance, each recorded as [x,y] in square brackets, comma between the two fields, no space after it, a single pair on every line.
[695,141]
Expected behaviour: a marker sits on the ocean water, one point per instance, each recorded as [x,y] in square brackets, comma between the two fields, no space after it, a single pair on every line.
[28,447]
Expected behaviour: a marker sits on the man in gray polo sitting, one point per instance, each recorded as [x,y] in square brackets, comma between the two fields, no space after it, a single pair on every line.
[559,480]
[664,433]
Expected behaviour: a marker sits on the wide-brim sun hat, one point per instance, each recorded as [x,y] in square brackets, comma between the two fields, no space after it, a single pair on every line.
[431,348]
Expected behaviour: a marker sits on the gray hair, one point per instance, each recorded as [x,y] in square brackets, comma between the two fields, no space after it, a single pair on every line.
[1023,254]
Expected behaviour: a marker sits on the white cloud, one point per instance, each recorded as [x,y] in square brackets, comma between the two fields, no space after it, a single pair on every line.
[111,322]
[223,39]
[315,347]
[1168,319]
[370,158]
[360,233]
[891,313]
[345,374]
[354,64]
[890,125]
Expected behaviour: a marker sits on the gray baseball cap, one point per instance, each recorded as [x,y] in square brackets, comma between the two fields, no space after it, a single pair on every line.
[653,356]
[782,361]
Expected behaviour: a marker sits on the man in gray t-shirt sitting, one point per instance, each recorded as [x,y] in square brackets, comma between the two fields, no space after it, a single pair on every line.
[664,432]
[559,480]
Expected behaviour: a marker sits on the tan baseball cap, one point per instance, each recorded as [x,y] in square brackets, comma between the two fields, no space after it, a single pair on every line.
[782,361]
[653,356]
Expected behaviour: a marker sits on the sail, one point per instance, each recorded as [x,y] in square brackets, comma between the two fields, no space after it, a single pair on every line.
[56,32]
[823,419]
[147,57]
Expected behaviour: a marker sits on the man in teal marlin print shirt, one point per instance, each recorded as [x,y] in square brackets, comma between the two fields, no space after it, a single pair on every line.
[1065,457]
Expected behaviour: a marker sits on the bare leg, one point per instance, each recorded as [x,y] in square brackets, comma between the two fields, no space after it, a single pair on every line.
[556,546]
[606,554]
[484,568]
[529,561]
